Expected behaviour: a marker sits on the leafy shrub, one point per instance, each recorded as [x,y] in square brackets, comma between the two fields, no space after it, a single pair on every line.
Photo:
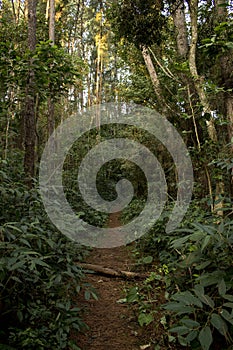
[203,305]
[194,272]
[39,275]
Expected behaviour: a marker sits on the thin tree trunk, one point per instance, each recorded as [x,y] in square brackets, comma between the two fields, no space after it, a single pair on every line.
[178,16]
[194,120]
[13,10]
[182,44]
[199,85]
[229,111]
[29,110]
[198,80]
[153,75]
[7,136]
[89,99]
[226,64]
[99,72]
[51,122]
[18,10]
[221,10]
[52,21]
[99,63]
[47,10]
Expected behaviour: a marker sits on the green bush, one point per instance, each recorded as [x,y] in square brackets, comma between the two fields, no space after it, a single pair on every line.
[39,275]
[193,268]
[203,305]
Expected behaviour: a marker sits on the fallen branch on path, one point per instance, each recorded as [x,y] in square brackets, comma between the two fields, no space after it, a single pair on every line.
[111,272]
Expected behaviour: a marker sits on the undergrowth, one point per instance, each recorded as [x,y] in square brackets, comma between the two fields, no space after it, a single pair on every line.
[39,276]
[192,269]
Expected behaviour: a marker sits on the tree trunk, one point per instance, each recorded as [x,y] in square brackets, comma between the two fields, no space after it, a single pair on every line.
[199,85]
[229,112]
[99,61]
[154,77]
[52,21]
[178,16]
[226,66]
[179,20]
[29,109]
[221,10]
[198,80]
[51,122]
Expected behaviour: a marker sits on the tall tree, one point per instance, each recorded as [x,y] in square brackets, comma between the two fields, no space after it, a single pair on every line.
[226,66]
[52,21]
[199,80]
[29,108]
[178,15]
[51,122]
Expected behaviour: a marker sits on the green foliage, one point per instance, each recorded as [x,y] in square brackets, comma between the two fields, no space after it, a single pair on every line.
[39,275]
[140,22]
[144,297]
[205,284]
[38,272]
[137,88]
[195,273]
[201,315]
[222,39]
[55,71]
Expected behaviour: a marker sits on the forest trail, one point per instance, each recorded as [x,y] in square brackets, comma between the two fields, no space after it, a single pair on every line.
[111,324]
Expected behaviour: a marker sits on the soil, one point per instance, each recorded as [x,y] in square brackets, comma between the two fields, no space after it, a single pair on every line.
[111,324]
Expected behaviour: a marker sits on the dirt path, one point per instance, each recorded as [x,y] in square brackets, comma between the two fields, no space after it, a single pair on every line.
[112,324]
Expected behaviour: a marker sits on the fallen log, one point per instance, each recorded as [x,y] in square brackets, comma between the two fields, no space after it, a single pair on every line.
[105,271]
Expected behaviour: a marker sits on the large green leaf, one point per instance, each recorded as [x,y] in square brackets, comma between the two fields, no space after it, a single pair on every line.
[132,295]
[191,336]
[209,279]
[206,299]
[228,297]
[181,330]
[230,305]
[205,242]
[219,324]
[178,243]
[187,298]
[145,319]
[190,323]
[147,259]
[179,308]
[227,316]
[222,287]
[205,337]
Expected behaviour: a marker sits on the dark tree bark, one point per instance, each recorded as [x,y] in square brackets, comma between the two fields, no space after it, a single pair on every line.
[226,68]
[178,16]
[51,121]
[30,101]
